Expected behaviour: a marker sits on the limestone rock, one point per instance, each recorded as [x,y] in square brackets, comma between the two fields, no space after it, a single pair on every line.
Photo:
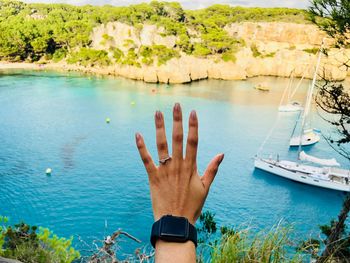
[150,75]
[283,49]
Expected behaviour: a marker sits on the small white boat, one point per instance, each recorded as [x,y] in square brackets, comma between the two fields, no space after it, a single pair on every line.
[326,177]
[291,107]
[309,137]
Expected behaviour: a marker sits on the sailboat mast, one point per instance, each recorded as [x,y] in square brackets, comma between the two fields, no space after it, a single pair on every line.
[309,97]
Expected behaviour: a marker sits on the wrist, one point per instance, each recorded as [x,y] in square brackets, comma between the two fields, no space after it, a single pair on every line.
[190,219]
[175,252]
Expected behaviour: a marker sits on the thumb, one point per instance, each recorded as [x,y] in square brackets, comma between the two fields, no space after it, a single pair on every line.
[212,169]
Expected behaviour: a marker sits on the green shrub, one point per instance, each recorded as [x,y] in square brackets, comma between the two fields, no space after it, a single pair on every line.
[184,43]
[59,55]
[131,59]
[129,43]
[60,249]
[164,54]
[229,56]
[117,54]
[90,57]
[22,242]
[201,50]
[311,50]
[255,50]
[266,246]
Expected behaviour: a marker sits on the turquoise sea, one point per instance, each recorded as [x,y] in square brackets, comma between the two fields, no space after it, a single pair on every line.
[98,183]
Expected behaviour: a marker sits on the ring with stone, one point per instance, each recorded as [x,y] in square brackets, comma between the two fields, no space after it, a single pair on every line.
[164,160]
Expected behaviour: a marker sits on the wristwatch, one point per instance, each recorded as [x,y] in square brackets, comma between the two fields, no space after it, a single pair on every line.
[173,229]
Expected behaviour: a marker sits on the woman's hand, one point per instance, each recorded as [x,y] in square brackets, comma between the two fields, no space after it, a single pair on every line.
[176,187]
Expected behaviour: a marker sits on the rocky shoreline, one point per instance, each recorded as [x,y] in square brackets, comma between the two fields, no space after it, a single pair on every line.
[282,50]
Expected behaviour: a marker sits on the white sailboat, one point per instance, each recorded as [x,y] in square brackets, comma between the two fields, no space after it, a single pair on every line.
[290,106]
[321,176]
[308,135]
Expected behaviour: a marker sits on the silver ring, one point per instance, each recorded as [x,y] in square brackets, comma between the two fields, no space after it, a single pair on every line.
[164,160]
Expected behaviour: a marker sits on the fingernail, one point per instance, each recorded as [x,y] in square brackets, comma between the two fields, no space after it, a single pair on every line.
[158,115]
[221,158]
[193,115]
[137,136]
[177,107]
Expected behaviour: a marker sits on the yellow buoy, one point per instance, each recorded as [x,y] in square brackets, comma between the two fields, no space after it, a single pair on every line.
[133,103]
[48,171]
[108,120]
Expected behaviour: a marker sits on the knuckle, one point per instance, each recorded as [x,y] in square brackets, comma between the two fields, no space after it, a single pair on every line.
[162,146]
[193,142]
[146,160]
[178,137]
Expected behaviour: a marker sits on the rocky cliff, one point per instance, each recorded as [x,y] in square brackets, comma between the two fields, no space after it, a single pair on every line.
[270,49]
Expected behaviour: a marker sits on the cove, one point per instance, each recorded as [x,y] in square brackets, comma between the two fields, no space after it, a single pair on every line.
[98,183]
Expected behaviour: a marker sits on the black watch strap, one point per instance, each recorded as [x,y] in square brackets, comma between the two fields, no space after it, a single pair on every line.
[173,229]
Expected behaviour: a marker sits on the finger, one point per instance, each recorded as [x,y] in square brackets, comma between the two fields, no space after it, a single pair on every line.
[162,144]
[177,132]
[192,138]
[145,155]
[211,170]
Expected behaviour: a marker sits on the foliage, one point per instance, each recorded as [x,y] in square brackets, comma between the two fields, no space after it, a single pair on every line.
[117,54]
[255,50]
[60,249]
[33,31]
[90,57]
[242,245]
[200,50]
[333,16]
[334,100]
[59,55]
[131,58]
[341,245]
[22,242]
[311,50]
[268,246]
[207,221]
[162,53]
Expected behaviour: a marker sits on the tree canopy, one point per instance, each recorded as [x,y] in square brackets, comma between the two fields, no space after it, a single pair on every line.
[30,32]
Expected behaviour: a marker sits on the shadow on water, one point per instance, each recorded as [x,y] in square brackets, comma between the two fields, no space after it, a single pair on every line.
[303,148]
[39,74]
[68,151]
[296,187]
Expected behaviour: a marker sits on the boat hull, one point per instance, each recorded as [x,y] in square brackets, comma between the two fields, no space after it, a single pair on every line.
[306,139]
[290,108]
[298,176]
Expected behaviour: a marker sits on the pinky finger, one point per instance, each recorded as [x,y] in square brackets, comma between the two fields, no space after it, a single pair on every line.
[145,155]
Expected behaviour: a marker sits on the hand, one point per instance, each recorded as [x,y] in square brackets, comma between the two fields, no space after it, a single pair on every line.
[176,187]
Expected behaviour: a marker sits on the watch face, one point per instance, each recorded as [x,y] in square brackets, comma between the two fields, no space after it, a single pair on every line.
[176,227]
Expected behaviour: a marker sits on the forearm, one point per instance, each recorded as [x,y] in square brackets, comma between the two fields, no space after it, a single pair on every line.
[168,252]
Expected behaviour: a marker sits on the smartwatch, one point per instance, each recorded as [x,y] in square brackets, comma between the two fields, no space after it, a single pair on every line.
[173,229]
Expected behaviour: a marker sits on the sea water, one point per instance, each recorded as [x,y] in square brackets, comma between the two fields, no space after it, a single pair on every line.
[98,183]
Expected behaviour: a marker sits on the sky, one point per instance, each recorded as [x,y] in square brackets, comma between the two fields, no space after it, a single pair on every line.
[189,4]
